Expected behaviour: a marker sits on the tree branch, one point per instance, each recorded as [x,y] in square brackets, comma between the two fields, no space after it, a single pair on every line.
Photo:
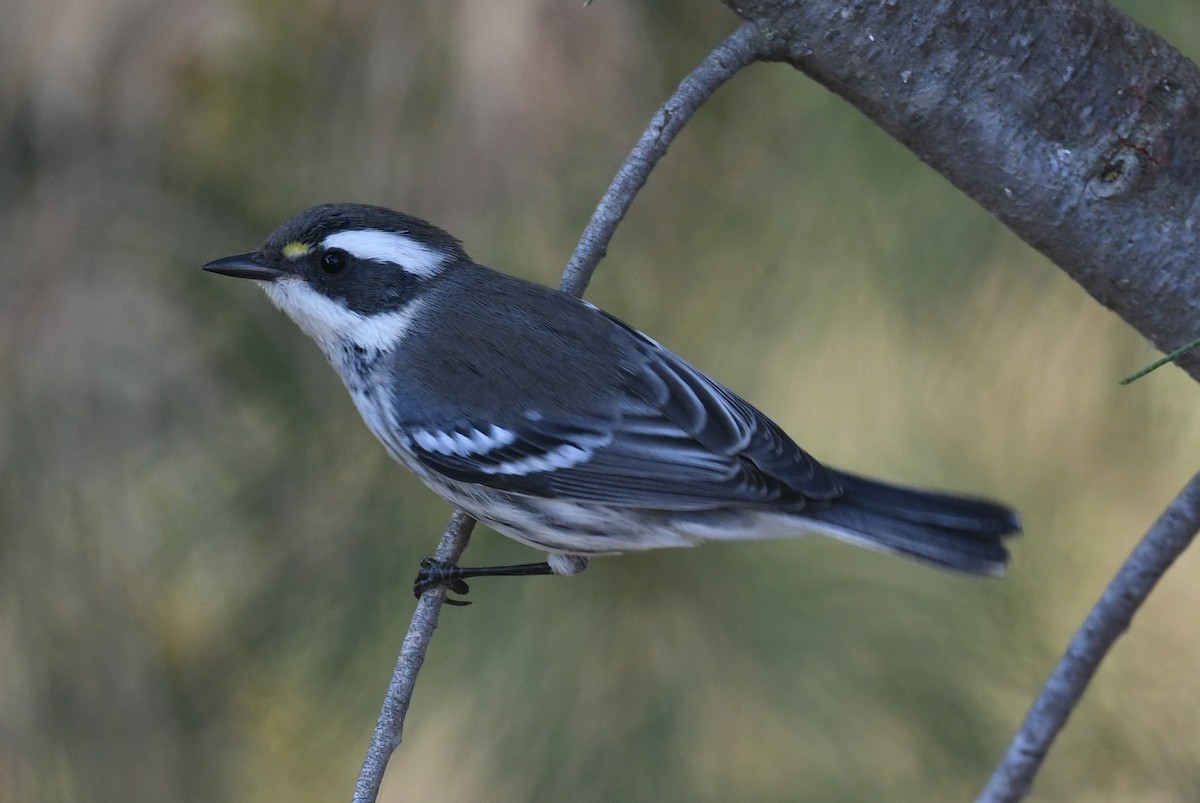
[1071,123]
[1110,617]
[1076,127]
[390,728]
[743,47]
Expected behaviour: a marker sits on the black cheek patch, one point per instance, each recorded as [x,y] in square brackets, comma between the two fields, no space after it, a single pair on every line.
[368,287]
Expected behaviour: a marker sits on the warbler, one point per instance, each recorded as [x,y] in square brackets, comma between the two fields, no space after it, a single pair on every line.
[561,426]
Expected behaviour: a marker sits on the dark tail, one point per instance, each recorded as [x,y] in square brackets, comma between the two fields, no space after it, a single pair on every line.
[954,532]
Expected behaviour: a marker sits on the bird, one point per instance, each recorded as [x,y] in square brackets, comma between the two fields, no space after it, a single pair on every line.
[561,426]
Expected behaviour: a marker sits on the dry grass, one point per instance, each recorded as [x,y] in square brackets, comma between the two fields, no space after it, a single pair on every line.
[205,559]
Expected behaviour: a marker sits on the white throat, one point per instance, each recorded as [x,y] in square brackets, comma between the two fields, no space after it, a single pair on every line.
[332,325]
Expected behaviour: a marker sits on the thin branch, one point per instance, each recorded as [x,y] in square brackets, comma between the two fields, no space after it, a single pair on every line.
[1154,554]
[744,46]
[741,49]
[390,728]
[1154,366]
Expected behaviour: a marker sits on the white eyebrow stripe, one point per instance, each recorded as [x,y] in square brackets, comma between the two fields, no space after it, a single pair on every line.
[390,246]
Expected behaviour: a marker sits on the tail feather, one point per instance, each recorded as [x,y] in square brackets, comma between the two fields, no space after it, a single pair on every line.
[954,532]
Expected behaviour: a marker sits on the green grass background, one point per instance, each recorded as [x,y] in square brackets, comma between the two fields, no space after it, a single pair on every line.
[206,560]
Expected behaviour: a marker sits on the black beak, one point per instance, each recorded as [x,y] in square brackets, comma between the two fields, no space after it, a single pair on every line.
[245,266]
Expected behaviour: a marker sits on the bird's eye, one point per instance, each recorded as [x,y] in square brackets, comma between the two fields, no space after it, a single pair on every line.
[334,261]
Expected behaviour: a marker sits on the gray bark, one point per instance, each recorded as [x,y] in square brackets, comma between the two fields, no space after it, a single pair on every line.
[1068,121]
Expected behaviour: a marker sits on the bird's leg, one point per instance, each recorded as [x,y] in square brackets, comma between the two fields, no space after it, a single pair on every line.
[434,573]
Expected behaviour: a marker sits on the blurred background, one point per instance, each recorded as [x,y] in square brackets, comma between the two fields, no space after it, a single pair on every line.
[206,559]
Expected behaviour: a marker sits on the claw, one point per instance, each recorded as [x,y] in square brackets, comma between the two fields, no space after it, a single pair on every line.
[434,573]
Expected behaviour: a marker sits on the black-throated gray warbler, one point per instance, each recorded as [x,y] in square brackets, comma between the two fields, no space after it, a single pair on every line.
[559,425]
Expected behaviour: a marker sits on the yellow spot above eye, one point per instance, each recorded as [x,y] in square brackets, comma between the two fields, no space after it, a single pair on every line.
[295,250]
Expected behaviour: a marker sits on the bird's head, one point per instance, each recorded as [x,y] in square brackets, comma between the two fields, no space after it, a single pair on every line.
[348,272]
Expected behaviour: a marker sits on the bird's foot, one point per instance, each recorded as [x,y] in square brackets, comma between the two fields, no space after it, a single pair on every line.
[435,573]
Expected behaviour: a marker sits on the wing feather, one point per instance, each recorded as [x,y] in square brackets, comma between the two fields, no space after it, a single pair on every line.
[670,438]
